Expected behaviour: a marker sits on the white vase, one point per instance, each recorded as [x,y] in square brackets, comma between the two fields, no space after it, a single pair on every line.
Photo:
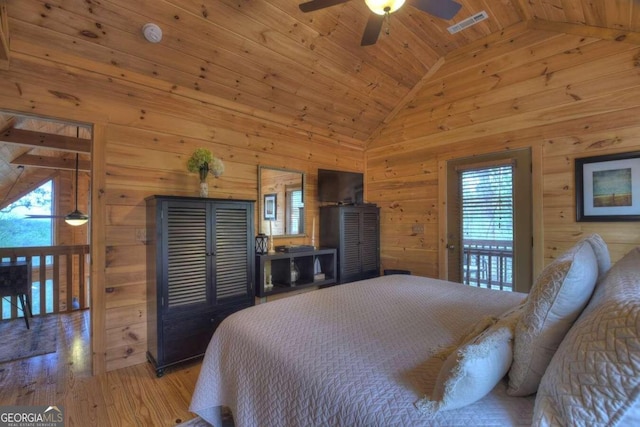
[204,189]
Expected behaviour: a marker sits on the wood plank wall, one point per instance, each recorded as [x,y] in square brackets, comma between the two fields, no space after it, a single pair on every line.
[142,139]
[565,94]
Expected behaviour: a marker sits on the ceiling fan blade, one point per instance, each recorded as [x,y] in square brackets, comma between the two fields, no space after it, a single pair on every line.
[313,5]
[445,9]
[43,216]
[372,30]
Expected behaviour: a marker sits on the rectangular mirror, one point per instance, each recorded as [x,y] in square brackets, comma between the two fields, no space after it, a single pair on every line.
[281,201]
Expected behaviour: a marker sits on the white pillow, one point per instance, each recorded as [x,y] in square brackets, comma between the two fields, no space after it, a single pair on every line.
[472,371]
[594,377]
[601,250]
[556,299]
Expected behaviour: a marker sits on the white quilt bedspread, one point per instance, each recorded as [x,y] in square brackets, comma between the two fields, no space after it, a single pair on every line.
[359,354]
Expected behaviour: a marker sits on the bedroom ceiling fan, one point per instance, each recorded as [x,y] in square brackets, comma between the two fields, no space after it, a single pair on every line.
[382,9]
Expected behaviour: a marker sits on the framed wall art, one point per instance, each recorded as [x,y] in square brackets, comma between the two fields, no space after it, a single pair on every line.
[270,207]
[608,187]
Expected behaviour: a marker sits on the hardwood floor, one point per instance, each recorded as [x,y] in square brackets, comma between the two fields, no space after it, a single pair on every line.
[127,397]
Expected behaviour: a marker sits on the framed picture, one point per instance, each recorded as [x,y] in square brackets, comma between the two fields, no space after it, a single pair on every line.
[270,207]
[608,187]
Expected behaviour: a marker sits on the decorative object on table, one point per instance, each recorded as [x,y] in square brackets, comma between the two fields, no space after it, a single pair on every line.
[203,162]
[317,271]
[269,282]
[271,249]
[608,187]
[262,244]
[295,273]
[270,207]
[293,248]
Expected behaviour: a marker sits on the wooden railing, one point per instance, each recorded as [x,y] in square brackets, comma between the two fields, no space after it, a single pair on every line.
[488,263]
[59,279]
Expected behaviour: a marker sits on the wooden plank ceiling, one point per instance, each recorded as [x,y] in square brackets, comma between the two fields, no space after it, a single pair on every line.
[33,151]
[267,58]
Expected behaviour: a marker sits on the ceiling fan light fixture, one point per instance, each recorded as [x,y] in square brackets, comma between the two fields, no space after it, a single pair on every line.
[382,7]
[76,218]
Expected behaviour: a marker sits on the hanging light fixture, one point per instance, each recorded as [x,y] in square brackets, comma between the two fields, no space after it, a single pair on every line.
[76,217]
[384,7]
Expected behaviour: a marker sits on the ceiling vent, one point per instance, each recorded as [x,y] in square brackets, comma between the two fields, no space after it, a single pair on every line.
[480,16]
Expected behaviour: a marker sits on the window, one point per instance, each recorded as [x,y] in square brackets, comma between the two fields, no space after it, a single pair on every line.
[17,230]
[487,226]
[295,208]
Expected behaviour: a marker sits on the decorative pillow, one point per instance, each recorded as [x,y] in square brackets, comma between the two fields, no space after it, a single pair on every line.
[472,371]
[594,377]
[601,250]
[556,299]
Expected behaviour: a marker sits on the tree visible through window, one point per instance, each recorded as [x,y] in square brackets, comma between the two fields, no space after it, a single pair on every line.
[16,230]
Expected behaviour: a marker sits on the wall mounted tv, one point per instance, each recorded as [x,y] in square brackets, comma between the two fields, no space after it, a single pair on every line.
[340,187]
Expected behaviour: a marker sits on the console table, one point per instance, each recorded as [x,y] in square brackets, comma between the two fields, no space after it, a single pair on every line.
[15,281]
[278,267]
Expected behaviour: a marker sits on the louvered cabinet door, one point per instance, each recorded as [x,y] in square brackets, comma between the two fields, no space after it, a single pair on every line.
[233,256]
[186,246]
[370,243]
[350,256]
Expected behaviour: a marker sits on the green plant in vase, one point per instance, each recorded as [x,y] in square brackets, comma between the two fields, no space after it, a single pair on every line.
[203,162]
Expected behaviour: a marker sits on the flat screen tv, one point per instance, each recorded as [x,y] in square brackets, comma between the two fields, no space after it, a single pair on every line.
[340,187]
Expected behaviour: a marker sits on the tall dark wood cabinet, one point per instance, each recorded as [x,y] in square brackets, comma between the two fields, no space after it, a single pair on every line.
[355,232]
[200,269]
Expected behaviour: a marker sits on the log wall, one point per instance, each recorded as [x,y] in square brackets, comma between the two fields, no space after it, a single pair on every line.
[560,90]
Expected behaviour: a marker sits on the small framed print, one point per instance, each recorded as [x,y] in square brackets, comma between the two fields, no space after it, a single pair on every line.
[608,187]
[270,207]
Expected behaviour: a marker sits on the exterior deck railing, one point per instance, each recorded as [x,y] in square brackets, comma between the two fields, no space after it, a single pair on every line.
[59,279]
[488,263]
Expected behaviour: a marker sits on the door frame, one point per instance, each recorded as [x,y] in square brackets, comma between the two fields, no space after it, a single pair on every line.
[537,222]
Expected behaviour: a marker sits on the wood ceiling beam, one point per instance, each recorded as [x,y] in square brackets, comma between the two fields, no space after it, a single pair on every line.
[7,124]
[4,36]
[585,30]
[46,162]
[46,140]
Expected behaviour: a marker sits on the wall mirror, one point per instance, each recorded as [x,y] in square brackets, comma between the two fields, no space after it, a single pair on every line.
[281,201]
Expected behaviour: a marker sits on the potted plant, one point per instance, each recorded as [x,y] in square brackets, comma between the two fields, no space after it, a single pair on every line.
[203,162]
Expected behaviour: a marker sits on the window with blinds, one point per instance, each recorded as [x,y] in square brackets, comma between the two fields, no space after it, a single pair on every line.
[487,205]
[295,207]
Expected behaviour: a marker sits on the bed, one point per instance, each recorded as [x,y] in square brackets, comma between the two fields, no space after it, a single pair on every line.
[361,353]
[379,352]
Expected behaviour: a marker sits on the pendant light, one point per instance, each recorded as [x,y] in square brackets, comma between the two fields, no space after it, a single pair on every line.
[76,217]
[384,7]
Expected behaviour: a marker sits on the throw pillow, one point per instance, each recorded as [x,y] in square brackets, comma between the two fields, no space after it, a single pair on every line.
[594,377]
[472,371]
[601,250]
[556,299]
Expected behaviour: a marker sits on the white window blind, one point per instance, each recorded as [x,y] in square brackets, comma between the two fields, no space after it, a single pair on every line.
[487,203]
[487,226]
[294,210]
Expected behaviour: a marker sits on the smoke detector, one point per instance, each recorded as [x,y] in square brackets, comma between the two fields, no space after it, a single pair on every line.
[152,33]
